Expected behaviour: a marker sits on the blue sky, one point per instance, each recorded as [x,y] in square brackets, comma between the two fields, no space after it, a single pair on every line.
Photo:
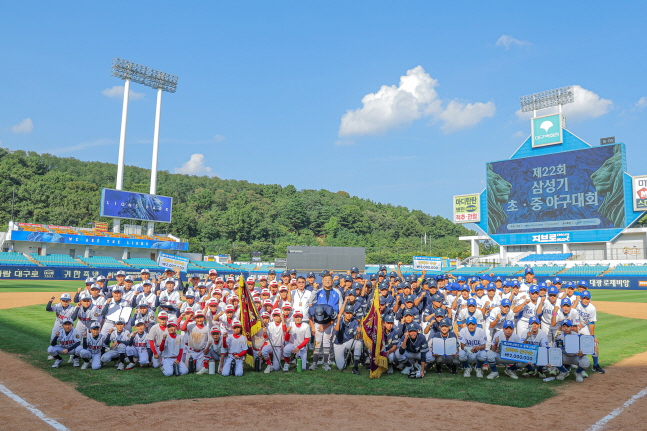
[292,92]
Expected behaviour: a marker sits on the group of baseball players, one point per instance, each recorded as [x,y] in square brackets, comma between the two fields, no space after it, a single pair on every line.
[437,323]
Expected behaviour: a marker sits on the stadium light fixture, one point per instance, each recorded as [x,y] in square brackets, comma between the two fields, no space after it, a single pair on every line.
[546,99]
[161,81]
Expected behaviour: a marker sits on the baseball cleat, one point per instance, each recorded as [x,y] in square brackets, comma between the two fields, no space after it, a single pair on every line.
[578,377]
[454,371]
[76,362]
[467,372]
[120,367]
[326,367]
[286,367]
[511,373]
[598,369]
[130,366]
[320,361]
[584,374]
[313,366]
[541,375]
[355,371]
[406,370]
[57,363]
[50,357]
[479,373]
[203,371]
[268,369]
[85,365]
[390,370]
[493,375]
[562,375]
[71,360]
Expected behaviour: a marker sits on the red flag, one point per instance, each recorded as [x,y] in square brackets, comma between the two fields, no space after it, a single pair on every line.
[372,332]
[249,318]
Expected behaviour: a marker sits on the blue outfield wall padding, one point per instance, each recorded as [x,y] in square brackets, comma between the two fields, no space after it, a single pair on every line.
[606,282]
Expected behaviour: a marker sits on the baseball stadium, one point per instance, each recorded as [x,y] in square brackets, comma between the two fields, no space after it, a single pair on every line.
[136,297]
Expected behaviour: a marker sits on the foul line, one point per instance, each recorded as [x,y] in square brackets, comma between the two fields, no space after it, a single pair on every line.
[32,409]
[602,422]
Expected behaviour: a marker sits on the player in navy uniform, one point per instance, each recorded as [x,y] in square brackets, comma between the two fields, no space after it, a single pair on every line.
[322,318]
[413,348]
[347,338]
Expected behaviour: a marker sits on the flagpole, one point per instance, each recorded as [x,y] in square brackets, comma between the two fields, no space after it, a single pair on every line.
[242,284]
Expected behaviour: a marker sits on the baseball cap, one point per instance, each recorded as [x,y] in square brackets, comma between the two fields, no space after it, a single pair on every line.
[408,312]
[142,305]
[172,323]
[528,270]
[236,323]
[67,320]
[586,294]
[95,286]
[413,326]
[557,280]
[101,278]
[491,286]
[276,311]
[65,297]
[463,287]
[120,321]
[267,302]
[348,278]
[215,330]
[505,302]
[84,296]
[116,289]
[229,307]
[471,320]
[446,322]
[147,283]
[440,312]
[293,281]
[552,290]
[220,280]
[533,320]
[144,271]
[486,277]
[297,314]
[273,283]
[121,273]
[543,286]
[533,289]
[471,302]
[460,278]
[169,280]
[388,318]
[283,288]
[311,274]
[230,278]
[198,313]
[354,269]
[409,298]
[89,280]
[349,309]
[583,283]
[286,305]
[567,322]
[189,294]
[251,280]
[262,278]
[566,301]
[508,324]
[271,272]
[162,315]
[129,278]
[95,325]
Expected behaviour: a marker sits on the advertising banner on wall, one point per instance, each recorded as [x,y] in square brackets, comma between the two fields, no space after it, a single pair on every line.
[11,272]
[61,238]
[557,194]
[135,206]
[467,208]
[639,193]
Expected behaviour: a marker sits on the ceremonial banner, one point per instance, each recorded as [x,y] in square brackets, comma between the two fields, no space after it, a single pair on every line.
[248,317]
[372,333]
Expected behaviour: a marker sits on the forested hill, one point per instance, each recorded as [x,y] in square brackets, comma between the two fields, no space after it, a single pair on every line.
[225,216]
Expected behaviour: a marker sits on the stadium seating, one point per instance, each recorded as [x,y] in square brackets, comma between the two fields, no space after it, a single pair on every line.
[547,270]
[265,267]
[546,257]
[585,270]
[212,265]
[628,270]
[506,270]
[470,270]
[141,263]
[103,262]
[56,260]
[10,258]
[243,266]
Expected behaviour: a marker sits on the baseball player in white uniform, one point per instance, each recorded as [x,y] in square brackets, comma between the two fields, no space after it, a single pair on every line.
[588,317]
[156,336]
[299,338]
[276,334]
[493,355]
[94,345]
[579,359]
[137,350]
[473,343]
[197,340]
[236,348]
[171,351]
[67,341]
[529,307]
[119,338]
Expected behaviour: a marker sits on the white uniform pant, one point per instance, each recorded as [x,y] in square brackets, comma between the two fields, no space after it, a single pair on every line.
[226,368]
[522,326]
[82,329]
[580,361]
[167,367]
[303,353]
[341,349]
[95,358]
[194,355]
[268,351]
[58,350]
[471,357]
[107,326]
[112,355]
[141,353]
[323,338]
[550,332]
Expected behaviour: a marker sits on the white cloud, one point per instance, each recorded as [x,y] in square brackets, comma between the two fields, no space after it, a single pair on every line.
[458,115]
[642,102]
[118,92]
[219,138]
[25,126]
[81,146]
[413,98]
[506,42]
[587,104]
[194,166]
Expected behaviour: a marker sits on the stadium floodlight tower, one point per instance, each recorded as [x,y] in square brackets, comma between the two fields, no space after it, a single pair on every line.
[547,99]
[129,71]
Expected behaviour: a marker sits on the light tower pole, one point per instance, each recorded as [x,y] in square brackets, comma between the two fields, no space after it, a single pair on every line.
[129,71]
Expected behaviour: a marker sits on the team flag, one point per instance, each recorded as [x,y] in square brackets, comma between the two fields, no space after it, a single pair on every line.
[248,317]
[372,332]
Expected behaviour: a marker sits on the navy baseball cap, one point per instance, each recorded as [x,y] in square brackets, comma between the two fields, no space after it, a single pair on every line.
[293,271]
[440,312]
[348,278]
[393,274]
[350,292]
[437,297]
[382,300]
[349,309]
[407,312]
[505,302]
[373,277]
[508,324]
[446,322]
[413,326]
[409,298]
[311,274]
[384,286]
[271,271]
[533,320]
[471,320]
[354,269]
[388,318]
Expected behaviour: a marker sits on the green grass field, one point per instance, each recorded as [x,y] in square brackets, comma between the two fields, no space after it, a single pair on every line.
[40,285]
[25,331]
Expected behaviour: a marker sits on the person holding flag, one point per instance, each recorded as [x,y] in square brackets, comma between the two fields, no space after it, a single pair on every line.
[373,335]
